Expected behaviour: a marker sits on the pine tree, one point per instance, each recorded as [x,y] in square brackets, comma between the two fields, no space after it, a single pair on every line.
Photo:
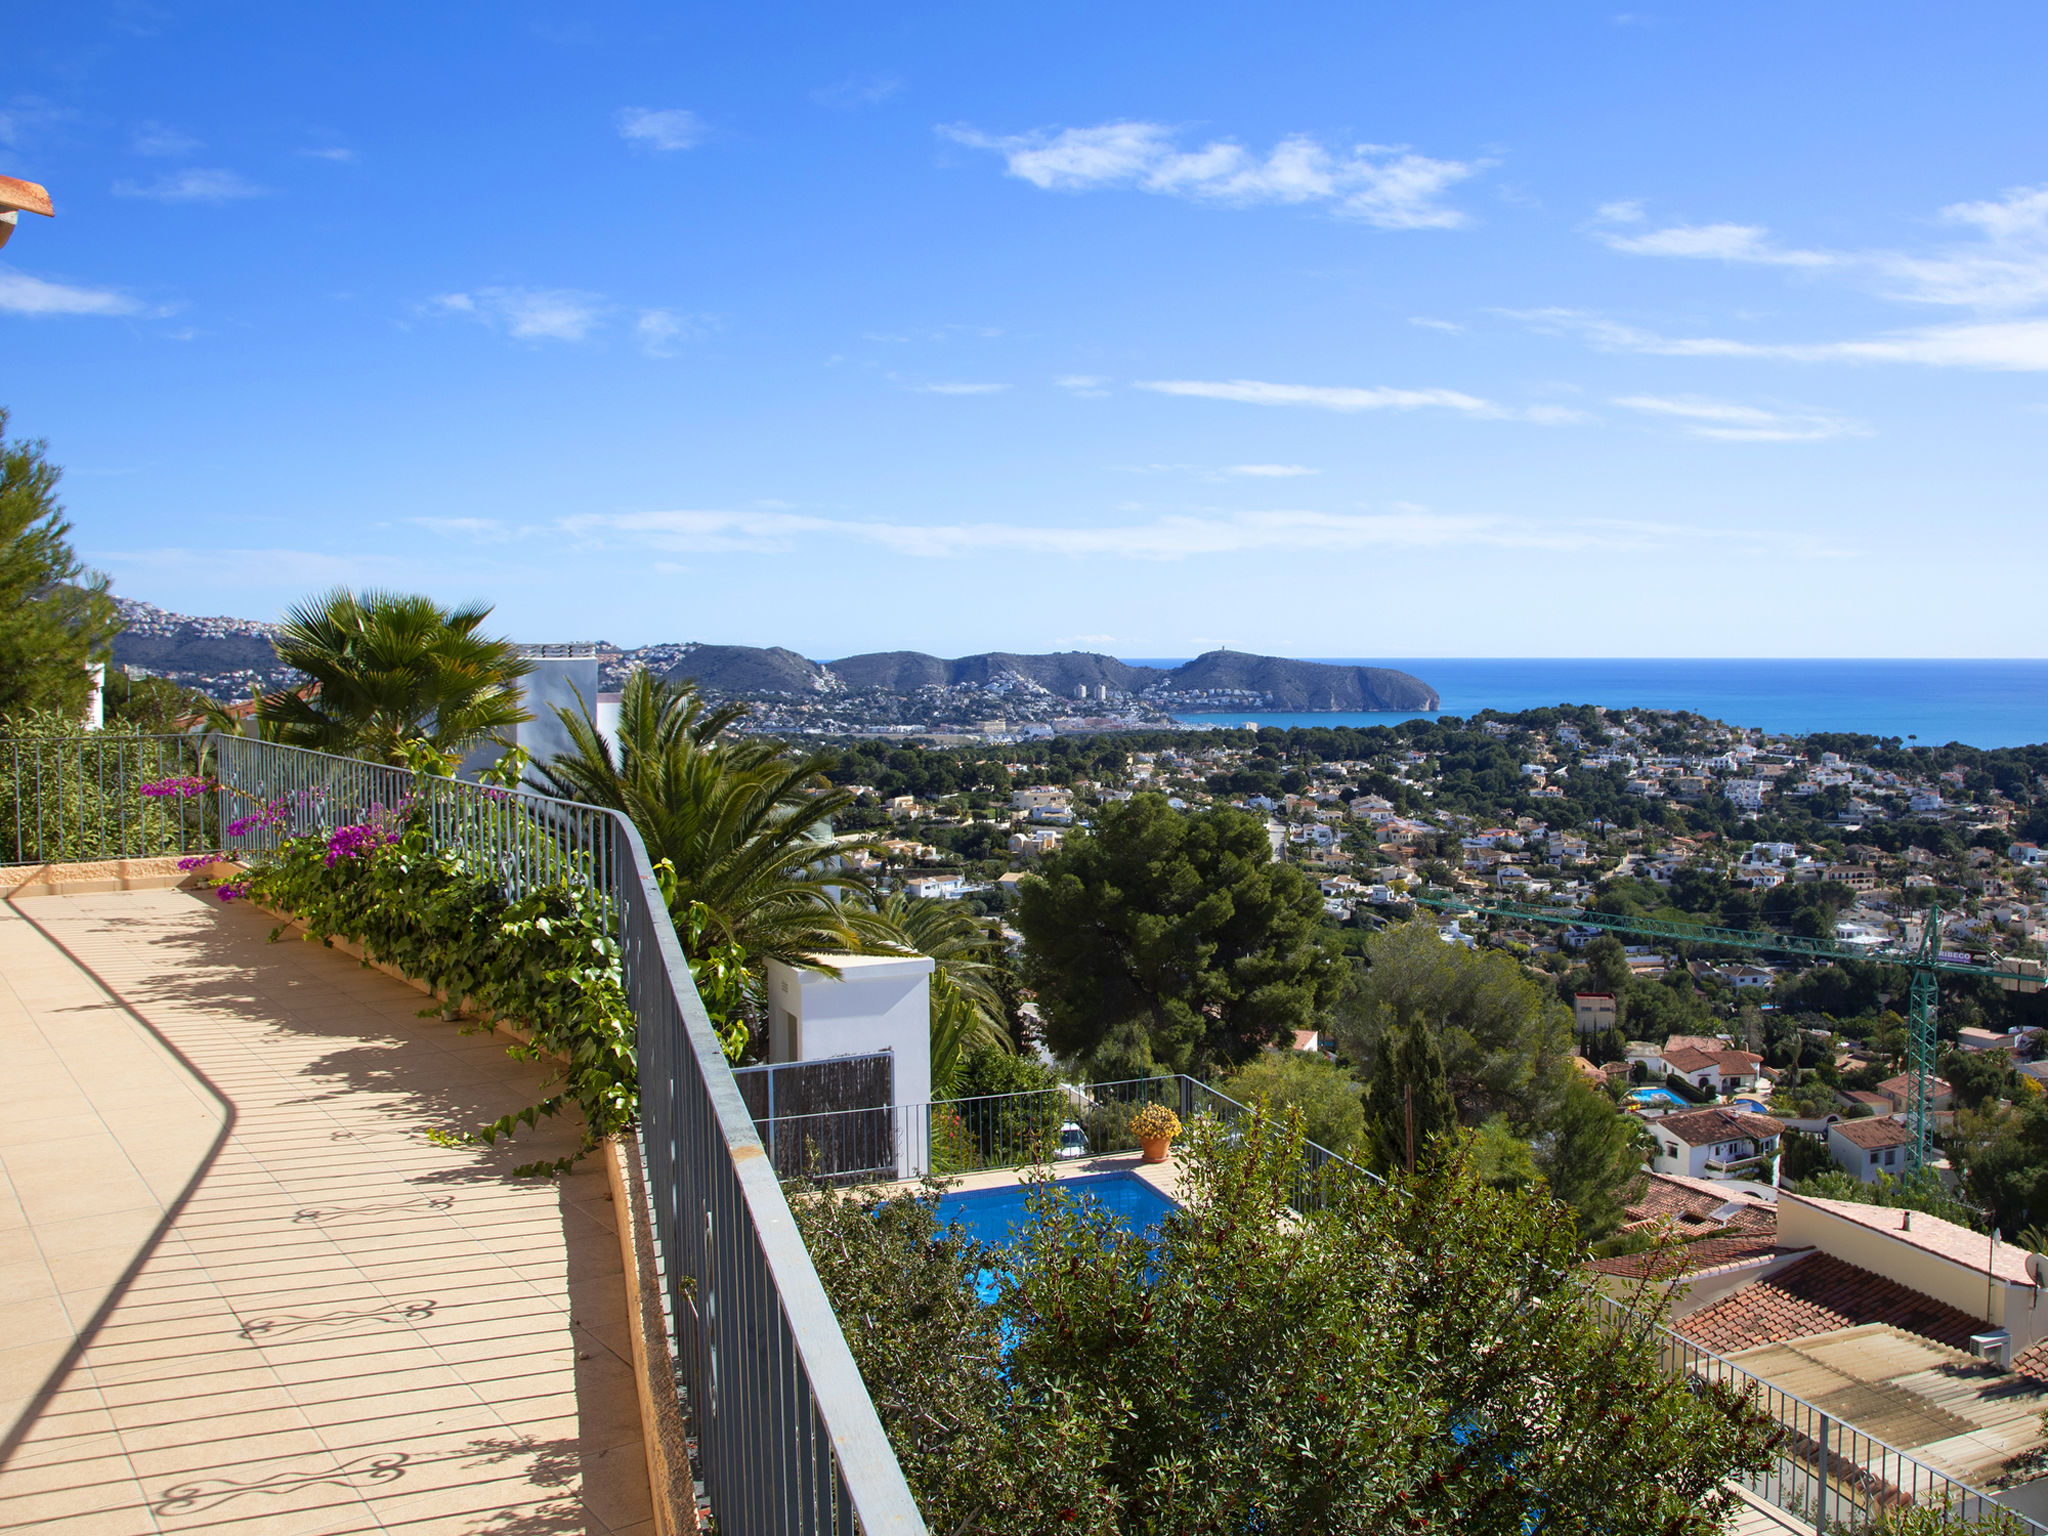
[55,615]
[1408,1079]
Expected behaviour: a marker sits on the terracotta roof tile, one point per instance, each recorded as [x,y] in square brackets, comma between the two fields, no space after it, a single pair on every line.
[1699,1127]
[1819,1294]
[1872,1135]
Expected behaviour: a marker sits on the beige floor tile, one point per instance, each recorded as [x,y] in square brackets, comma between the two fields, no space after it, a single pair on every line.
[347,1326]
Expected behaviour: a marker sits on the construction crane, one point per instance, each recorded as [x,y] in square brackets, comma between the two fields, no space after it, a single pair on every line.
[1924,959]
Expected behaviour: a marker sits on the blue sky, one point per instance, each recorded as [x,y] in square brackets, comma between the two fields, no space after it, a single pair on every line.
[1349,330]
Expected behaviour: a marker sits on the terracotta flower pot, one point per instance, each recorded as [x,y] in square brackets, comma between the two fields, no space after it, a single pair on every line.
[1155,1148]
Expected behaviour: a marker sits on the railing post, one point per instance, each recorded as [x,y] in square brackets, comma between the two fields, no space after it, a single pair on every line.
[1820,1508]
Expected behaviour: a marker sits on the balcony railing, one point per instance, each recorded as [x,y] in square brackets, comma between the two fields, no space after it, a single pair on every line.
[787,1439]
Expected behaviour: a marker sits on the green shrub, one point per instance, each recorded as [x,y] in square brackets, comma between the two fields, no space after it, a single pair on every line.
[546,961]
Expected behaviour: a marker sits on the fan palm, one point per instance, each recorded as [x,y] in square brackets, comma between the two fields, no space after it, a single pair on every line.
[743,828]
[391,670]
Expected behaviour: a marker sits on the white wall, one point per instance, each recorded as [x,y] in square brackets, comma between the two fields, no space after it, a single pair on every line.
[2018,1308]
[875,1003]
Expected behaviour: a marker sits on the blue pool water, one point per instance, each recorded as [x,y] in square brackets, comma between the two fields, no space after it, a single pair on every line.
[1663,1098]
[1752,1105]
[993,1216]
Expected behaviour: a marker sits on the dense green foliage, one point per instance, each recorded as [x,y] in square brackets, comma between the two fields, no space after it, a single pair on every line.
[2003,1154]
[394,670]
[1173,939]
[1406,1358]
[1328,1098]
[55,616]
[1505,1039]
[546,962]
[68,794]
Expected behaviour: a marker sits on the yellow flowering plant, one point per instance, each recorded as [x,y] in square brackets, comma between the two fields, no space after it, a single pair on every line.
[1155,1120]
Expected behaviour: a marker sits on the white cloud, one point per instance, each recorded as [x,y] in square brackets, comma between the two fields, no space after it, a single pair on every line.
[674,128]
[1388,186]
[1733,422]
[958,389]
[660,331]
[858,91]
[1271,471]
[1374,398]
[156,139]
[529,314]
[192,186]
[2005,267]
[474,527]
[21,294]
[333,152]
[1089,384]
[1164,538]
[1436,325]
[2015,346]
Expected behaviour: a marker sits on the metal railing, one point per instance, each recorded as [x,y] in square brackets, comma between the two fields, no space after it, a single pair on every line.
[79,799]
[787,1439]
[1824,1471]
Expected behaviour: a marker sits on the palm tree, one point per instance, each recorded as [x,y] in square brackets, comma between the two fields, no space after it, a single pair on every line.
[742,828]
[966,1002]
[391,670]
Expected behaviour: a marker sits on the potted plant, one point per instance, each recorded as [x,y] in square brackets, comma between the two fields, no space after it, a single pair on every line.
[1155,1126]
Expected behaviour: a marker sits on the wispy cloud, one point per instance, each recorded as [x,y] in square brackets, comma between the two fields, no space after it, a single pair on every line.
[2003,267]
[1165,538]
[21,294]
[1436,325]
[2014,346]
[156,139]
[673,128]
[330,152]
[193,186]
[23,117]
[1347,399]
[528,314]
[1088,384]
[1389,186]
[1271,471]
[858,91]
[1732,422]
[1617,226]
[474,527]
[661,331]
[954,388]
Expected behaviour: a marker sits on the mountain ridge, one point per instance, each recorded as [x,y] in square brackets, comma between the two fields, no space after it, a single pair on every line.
[220,647]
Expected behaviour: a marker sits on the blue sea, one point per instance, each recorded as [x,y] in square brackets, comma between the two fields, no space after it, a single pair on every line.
[1978,703]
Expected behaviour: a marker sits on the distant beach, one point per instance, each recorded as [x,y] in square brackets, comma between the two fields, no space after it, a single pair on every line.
[1978,703]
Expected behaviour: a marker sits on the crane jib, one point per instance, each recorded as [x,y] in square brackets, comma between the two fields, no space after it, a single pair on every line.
[1925,960]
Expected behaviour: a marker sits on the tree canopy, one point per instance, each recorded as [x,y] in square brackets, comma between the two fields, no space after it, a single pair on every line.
[55,615]
[1418,1356]
[1179,927]
[1505,1039]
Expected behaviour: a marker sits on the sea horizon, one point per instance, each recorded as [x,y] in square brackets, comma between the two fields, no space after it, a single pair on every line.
[1986,703]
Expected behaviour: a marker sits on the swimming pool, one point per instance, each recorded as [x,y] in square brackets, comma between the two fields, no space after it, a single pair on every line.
[993,1216]
[1661,1098]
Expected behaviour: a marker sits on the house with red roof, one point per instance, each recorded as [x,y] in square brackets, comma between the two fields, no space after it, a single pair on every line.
[1715,1143]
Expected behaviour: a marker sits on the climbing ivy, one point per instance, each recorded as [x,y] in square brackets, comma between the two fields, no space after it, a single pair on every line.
[545,961]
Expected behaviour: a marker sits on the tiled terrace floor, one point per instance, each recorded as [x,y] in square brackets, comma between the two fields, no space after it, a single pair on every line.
[239,1287]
